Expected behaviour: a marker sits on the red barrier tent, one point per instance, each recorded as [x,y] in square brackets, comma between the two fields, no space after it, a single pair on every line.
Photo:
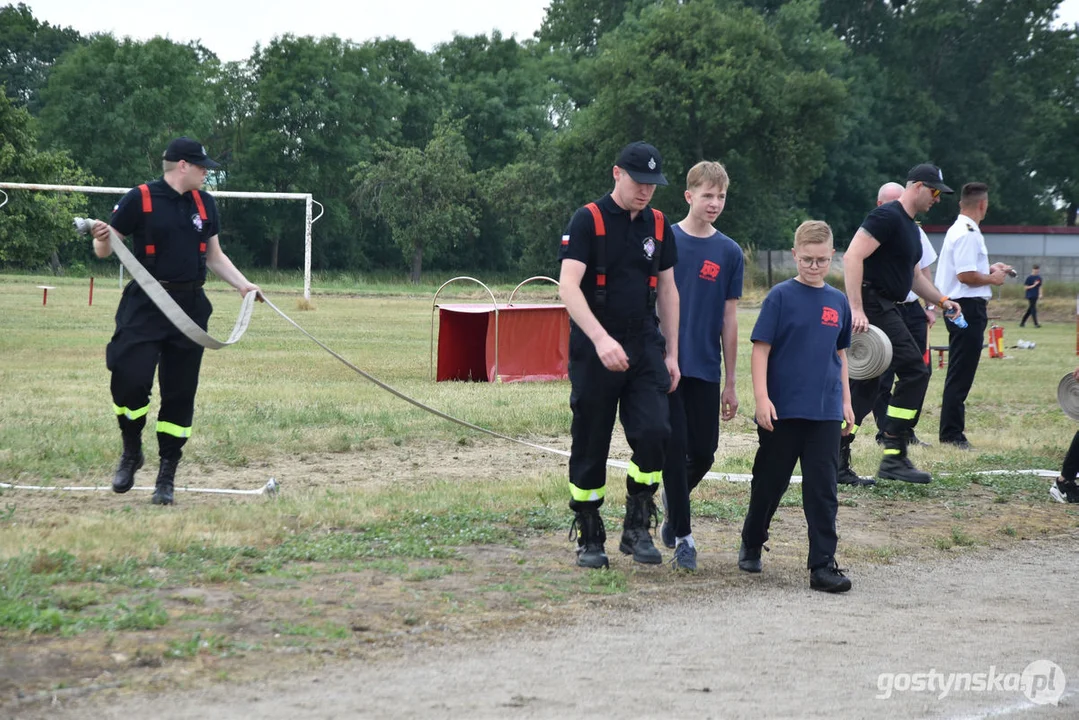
[533,342]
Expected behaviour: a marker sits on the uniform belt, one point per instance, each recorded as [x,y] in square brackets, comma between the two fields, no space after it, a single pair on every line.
[876,291]
[628,326]
[179,286]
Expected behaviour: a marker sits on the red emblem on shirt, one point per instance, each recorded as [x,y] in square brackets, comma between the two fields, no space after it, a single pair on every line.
[829,316]
[709,271]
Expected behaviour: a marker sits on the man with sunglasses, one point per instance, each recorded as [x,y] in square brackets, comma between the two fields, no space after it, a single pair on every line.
[966,276]
[880,268]
[174,231]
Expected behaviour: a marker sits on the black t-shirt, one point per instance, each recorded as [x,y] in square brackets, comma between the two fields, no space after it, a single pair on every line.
[890,269]
[174,228]
[631,245]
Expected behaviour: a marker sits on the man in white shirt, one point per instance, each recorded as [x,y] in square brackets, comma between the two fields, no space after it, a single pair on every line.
[964,275]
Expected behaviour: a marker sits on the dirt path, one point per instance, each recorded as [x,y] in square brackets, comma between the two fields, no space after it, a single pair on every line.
[768,648]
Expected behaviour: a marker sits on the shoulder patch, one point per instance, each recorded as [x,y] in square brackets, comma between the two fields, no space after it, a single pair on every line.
[970,228]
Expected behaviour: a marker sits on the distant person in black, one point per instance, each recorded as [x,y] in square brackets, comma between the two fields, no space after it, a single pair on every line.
[880,268]
[1033,286]
[174,231]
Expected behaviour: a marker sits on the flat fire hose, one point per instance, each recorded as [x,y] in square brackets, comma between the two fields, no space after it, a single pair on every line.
[170,308]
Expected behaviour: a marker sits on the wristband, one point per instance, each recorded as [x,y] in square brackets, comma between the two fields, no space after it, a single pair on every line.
[942,301]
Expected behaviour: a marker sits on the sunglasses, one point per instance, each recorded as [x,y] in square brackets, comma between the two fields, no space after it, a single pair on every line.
[934,192]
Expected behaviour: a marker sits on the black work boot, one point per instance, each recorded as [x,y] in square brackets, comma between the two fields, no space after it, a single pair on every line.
[895,465]
[749,559]
[829,578]
[130,461]
[641,513]
[846,475]
[166,474]
[588,529]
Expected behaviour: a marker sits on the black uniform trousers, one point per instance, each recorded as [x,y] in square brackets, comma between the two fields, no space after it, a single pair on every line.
[692,448]
[964,354]
[907,364]
[1070,467]
[913,314]
[1032,312]
[816,444]
[146,340]
[639,395]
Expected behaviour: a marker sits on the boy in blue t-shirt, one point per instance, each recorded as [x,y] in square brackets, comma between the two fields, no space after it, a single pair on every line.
[709,280]
[799,367]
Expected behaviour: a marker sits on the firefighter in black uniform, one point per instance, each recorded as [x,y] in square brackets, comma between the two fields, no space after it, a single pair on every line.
[880,267]
[617,269]
[174,231]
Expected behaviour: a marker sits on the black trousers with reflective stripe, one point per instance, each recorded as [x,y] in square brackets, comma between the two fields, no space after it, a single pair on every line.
[639,395]
[145,341]
[907,364]
[913,315]
[816,444]
[692,448]
[964,353]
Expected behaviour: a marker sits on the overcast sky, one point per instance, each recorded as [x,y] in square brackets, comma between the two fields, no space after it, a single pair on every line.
[230,28]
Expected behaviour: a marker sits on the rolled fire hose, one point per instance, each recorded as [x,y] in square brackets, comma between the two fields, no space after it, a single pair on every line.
[1068,396]
[869,355]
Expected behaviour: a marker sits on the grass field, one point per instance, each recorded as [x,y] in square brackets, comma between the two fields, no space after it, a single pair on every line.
[392,522]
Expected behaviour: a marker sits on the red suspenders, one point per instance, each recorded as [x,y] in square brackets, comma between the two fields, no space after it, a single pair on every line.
[601,256]
[147,208]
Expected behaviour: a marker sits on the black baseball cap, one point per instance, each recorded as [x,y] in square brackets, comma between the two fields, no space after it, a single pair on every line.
[184,148]
[643,163]
[929,175]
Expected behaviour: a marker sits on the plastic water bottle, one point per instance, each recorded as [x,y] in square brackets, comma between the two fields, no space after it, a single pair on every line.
[957,319]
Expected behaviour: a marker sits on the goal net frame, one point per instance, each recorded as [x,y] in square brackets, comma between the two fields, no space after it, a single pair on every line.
[307,199]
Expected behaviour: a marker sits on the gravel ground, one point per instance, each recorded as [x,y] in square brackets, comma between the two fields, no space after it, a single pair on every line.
[773,651]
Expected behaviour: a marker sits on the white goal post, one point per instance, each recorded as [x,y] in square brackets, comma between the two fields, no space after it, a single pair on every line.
[306,197]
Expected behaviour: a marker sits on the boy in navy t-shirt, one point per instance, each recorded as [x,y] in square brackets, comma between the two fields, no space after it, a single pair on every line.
[799,367]
[1033,287]
[709,279]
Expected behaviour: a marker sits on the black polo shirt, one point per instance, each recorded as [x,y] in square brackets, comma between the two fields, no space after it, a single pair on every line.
[630,248]
[173,227]
[890,269]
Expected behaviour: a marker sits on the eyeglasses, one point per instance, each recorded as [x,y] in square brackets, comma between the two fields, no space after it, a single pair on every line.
[814,262]
[934,192]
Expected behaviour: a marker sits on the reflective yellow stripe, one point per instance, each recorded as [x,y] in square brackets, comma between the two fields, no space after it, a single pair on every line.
[644,478]
[901,413]
[853,428]
[129,413]
[891,451]
[581,495]
[174,430]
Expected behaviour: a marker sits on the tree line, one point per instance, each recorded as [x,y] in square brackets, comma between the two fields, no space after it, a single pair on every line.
[475,154]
